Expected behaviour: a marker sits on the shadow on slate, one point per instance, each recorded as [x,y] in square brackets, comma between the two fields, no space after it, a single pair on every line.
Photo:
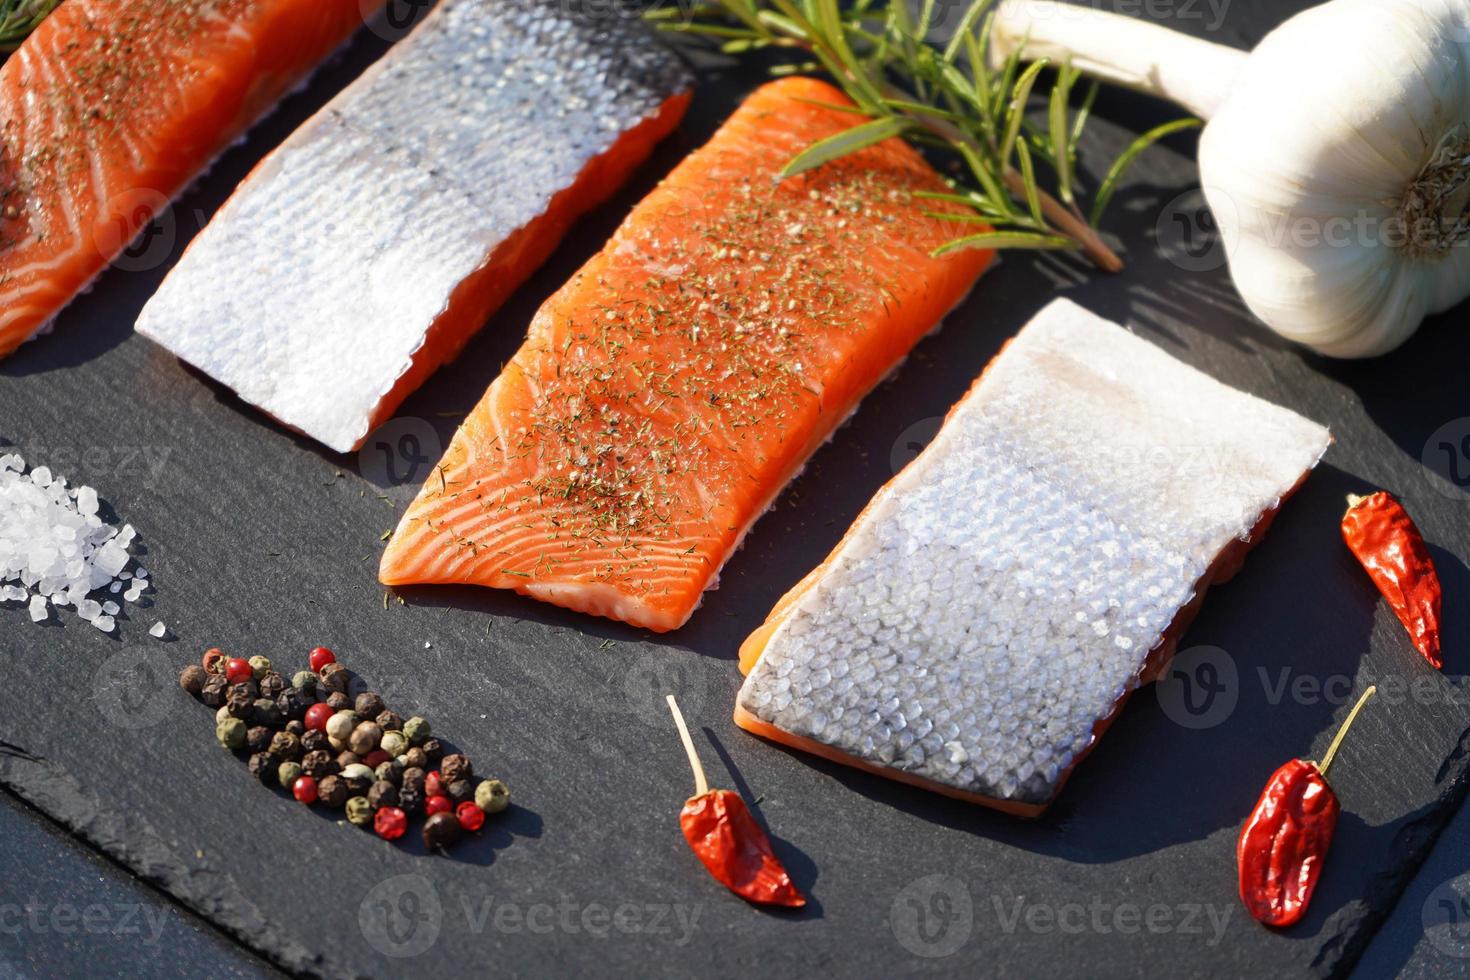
[258,545]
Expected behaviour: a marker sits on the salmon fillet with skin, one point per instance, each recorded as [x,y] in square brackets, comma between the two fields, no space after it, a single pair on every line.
[371,246]
[112,107]
[987,615]
[667,393]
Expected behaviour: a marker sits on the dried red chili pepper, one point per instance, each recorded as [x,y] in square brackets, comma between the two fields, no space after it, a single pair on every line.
[1385,539]
[723,834]
[1285,840]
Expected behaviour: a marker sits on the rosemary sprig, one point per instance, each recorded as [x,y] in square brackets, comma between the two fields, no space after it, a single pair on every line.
[19,17]
[953,99]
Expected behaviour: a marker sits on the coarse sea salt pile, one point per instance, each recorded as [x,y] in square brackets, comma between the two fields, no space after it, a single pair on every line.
[56,551]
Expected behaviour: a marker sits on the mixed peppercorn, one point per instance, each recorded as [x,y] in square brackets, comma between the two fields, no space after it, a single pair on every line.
[354,755]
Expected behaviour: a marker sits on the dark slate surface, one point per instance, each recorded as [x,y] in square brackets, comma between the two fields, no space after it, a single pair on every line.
[262,543]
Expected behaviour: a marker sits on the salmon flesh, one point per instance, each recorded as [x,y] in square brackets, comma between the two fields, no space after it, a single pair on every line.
[366,251]
[665,394]
[113,107]
[990,610]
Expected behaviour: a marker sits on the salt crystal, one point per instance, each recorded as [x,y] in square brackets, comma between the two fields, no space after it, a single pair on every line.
[158,630]
[89,610]
[41,476]
[38,609]
[115,588]
[111,608]
[103,623]
[87,501]
[141,573]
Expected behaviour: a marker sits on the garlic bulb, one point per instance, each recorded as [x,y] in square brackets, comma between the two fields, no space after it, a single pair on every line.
[1336,159]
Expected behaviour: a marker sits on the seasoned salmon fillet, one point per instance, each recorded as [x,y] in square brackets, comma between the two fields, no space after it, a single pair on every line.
[375,242]
[667,393]
[112,107]
[989,612]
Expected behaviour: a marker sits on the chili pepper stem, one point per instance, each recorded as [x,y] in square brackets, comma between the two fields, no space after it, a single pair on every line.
[701,785]
[1342,732]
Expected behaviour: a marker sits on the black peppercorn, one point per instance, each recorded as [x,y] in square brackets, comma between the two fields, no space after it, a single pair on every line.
[318,765]
[411,799]
[296,728]
[265,712]
[240,701]
[369,705]
[461,791]
[434,750]
[332,791]
[347,758]
[414,777]
[293,703]
[263,767]
[214,691]
[383,794]
[193,679]
[315,740]
[258,738]
[442,830]
[416,758]
[390,721]
[272,685]
[285,746]
[338,701]
[456,767]
[334,678]
[251,687]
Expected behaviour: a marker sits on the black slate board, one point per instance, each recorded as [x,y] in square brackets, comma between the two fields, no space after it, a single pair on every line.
[261,542]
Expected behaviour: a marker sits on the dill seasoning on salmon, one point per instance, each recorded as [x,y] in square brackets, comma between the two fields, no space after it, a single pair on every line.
[370,247]
[112,107]
[982,622]
[666,394]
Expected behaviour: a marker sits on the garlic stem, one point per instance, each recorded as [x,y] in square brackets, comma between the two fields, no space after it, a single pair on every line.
[1197,75]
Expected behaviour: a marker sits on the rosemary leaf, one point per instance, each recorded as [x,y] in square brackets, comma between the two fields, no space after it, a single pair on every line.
[1119,168]
[846,142]
[1006,239]
[18,18]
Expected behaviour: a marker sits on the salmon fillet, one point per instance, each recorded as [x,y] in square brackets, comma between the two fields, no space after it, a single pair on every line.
[112,107]
[665,394]
[989,612]
[371,246]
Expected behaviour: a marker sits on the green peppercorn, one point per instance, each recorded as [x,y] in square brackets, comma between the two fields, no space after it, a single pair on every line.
[332,791]
[285,746]
[258,738]
[272,685]
[192,679]
[365,737]
[340,725]
[369,705]
[215,690]
[304,681]
[416,758]
[318,765]
[461,791]
[222,714]
[231,733]
[390,721]
[260,666]
[492,796]
[265,712]
[263,767]
[389,772]
[287,773]
[383,794]
[456,767]
[360,811]
[314,741]
[417,730]
[337,701]
[393,743]
[442,830]
[434,752]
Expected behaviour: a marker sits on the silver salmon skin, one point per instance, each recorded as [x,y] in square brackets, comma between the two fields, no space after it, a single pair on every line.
[989,612]
[366,251]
